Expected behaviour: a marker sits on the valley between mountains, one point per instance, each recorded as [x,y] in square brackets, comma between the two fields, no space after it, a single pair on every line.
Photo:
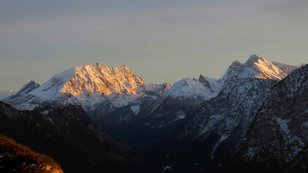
[98,118]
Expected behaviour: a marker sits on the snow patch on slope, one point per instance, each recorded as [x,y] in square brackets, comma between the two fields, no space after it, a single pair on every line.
[283,125]
[180,115]
[135,109]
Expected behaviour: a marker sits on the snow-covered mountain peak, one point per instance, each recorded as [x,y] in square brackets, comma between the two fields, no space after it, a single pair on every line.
[190,88]
[87,85]
[258,67]
[91,78]
[254,59]
[262,68]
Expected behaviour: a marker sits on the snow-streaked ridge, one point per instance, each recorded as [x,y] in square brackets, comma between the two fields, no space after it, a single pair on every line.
[52,88]
[91,84]
[258,67]
[206,88]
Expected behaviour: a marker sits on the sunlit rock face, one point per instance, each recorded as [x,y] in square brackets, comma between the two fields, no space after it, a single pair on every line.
[106,80]
[88,79]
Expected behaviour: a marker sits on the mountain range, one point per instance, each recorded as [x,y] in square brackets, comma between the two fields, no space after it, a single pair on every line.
[252,119]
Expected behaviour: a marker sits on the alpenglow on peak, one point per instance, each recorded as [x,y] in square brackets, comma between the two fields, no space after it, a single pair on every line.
[258,67]
[92,78]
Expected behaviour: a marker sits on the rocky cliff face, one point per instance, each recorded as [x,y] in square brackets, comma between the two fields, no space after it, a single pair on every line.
[107,80]
[278,134]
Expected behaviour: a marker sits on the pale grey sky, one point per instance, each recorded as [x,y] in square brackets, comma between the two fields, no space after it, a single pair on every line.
[160,40]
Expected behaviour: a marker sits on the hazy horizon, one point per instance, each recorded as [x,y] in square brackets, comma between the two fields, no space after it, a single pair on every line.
[158,40]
